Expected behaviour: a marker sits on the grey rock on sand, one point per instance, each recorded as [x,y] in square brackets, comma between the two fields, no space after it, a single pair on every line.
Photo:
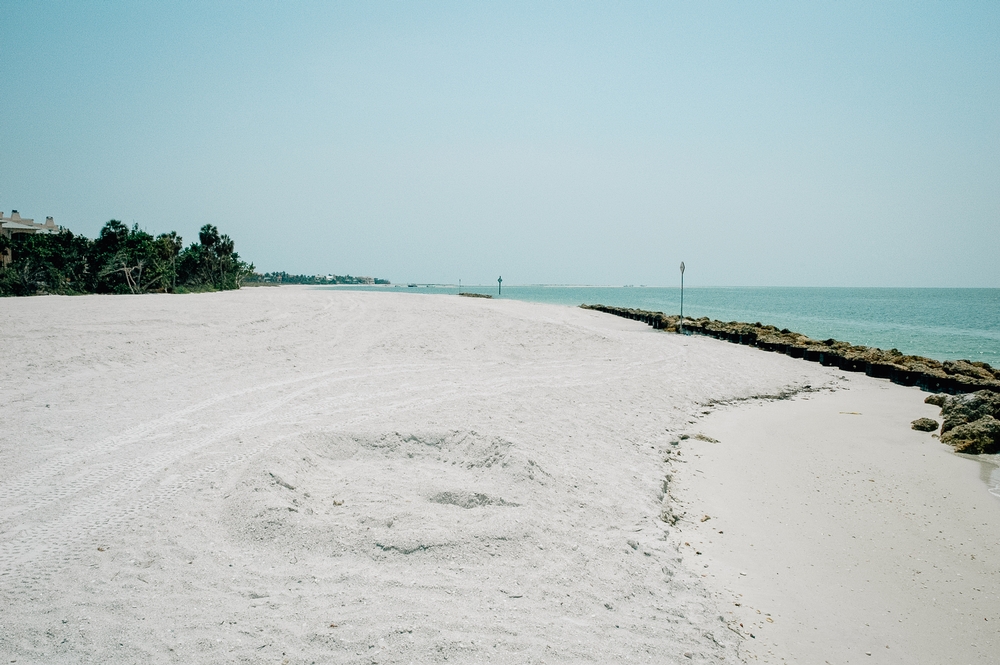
[977,437]
[970,421]
[925,425]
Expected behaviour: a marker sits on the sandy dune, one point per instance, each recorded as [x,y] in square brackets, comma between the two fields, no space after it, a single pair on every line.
[294,475]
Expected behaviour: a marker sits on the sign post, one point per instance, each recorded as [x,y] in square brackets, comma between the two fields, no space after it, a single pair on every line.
[499,285]
[681,326]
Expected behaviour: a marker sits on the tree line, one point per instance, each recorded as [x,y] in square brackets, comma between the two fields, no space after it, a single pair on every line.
[120,260]
[285,278]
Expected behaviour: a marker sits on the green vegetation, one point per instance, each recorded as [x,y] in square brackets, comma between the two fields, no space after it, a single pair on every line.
[121,260]
[285,278]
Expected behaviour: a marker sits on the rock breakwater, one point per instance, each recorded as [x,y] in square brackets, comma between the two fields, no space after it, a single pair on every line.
[971,421]
[950,376]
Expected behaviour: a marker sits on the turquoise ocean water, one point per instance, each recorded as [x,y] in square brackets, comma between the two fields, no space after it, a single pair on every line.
[945,324]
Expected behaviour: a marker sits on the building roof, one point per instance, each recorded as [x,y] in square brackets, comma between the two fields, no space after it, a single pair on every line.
[19,226]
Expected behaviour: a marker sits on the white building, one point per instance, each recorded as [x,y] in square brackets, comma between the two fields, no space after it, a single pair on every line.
[9,226]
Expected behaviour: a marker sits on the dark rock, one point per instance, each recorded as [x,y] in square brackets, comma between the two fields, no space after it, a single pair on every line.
[932,382]
[936,400]
[852,364]
[981,436]
[970,421]
[904,377]
[880,370]
[830,358]
[925,425]
[795,351]
[962,409]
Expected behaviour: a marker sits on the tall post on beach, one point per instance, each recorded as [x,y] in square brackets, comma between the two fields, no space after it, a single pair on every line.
[459,286]
[499,285]
[680,327]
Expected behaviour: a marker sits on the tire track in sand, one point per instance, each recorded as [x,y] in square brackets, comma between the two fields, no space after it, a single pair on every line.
[123,498]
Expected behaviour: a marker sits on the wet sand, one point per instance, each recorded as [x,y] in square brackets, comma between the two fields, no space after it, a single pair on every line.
[840,535]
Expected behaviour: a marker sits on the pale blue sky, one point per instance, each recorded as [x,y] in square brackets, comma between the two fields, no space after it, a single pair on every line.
[762,143]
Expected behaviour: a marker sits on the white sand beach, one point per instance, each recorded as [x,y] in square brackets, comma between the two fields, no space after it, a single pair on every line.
[287,475]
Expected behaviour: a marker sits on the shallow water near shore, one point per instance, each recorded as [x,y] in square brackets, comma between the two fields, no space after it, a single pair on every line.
[989,471]
[944,324]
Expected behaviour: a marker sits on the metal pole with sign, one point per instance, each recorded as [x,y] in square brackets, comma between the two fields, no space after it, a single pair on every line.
[499,285]
[681,326]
